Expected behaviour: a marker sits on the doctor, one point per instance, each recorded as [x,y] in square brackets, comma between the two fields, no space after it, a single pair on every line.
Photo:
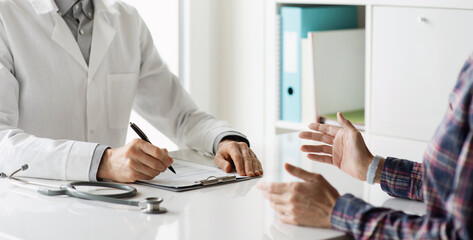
[70,73]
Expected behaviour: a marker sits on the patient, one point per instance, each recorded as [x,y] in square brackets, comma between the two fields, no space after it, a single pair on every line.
[444,181]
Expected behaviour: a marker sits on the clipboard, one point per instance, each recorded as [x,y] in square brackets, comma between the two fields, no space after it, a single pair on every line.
[194,171]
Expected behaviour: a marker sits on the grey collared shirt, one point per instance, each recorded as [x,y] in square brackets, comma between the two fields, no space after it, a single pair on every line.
[79,16]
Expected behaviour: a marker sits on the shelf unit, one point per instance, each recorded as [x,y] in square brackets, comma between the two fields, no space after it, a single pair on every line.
[276,125]
[414,51]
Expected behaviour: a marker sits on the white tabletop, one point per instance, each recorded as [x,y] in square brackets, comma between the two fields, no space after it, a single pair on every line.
[232,211]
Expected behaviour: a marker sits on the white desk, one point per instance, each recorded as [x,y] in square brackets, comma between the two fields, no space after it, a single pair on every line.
[233,211]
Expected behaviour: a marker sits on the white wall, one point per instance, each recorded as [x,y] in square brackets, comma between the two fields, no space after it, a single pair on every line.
[242,72]
[223,58]
[224,61]
[201,61]
[162,19]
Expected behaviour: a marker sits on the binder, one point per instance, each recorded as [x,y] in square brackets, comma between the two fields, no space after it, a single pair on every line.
[295,23]
[309,107]
[194,171]
[335,81]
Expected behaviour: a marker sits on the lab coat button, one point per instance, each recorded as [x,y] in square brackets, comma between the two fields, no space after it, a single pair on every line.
[81,32]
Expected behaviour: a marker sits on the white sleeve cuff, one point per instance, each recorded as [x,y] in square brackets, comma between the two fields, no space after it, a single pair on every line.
[79,160]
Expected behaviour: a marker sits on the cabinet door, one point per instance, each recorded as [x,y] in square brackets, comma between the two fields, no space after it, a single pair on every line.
[399,148]
[417,54]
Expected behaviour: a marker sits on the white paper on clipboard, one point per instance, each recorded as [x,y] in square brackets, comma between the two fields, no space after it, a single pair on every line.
[195,172]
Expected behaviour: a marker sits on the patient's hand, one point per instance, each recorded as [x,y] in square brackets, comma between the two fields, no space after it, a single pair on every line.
[308,203]
[345,147]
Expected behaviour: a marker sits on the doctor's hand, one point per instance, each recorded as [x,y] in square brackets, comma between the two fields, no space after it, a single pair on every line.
[309,203]
[345,148]
[138,160]
[240,155]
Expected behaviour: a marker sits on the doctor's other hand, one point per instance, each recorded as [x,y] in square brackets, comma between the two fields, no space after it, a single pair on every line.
[138,160]
[309,203]
[345,148]
[240,155]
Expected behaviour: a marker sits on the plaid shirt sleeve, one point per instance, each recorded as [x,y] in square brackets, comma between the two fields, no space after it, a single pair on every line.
[364,221]
[402,178]
[399,178]
[447,186]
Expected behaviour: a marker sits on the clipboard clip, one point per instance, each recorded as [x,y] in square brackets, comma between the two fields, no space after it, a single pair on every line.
[212,180]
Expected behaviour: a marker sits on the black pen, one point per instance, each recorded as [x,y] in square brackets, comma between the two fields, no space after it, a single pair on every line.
[144,137]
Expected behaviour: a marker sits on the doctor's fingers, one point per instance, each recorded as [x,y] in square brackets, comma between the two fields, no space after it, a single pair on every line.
[317,136]
[252,165]
[139,171]
[156,153]
[256,164]
[248,160]
[236,155]
[151,162]
[222,163]
[135,151]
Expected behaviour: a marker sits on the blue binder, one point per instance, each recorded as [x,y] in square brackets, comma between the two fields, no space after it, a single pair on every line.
[296,22]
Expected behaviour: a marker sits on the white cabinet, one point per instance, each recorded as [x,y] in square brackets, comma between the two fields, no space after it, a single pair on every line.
[417,54]
[396,147]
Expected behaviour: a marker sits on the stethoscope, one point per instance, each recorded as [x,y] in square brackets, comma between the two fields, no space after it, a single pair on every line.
[148,205]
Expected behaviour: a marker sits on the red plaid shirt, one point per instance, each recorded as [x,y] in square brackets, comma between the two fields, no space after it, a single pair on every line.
[444,182]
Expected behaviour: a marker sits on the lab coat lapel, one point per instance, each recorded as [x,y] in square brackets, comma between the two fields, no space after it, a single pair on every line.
[102,38]
[44,6]
[62,35]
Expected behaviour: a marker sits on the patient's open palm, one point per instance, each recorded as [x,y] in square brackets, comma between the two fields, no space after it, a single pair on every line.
[345,147]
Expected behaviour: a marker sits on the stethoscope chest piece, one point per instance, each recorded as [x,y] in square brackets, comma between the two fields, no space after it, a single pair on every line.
[152,206]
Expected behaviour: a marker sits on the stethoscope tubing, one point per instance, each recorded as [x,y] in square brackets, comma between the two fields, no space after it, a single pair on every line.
[148,205]
[70,190]
[130,191]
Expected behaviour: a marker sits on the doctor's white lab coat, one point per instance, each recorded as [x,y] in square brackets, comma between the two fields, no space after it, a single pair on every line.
[54,109]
